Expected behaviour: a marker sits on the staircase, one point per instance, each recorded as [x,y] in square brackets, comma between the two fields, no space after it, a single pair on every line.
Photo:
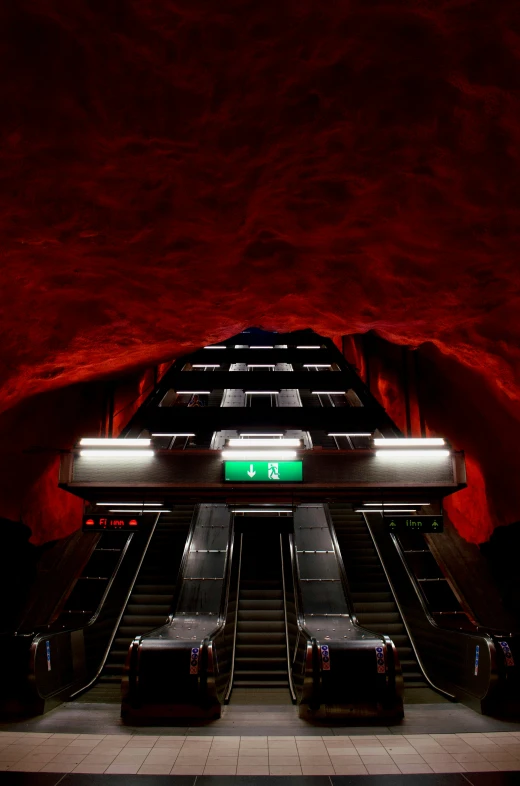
[150,601]
[260,654]
[371,595]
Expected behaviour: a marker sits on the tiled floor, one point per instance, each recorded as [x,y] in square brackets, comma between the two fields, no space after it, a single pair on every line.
[355,754]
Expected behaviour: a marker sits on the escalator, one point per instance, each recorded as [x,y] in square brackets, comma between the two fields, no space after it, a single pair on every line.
[150,600]
[372,598]
[261,646]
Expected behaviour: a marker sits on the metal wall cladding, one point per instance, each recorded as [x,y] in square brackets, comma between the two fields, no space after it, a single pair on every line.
[343,468]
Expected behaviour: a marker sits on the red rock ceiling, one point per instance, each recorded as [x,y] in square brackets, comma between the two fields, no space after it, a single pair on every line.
[174,171]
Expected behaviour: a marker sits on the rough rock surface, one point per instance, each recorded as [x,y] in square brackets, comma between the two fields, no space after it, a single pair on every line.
[172,171]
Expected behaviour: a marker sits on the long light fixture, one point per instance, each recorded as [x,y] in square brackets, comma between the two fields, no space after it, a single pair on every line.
[260,365]
[206,365]
[216,346]
[414,504]
[261,392]
[193,392]
[406,454]
[405,442]
[120,504]
[328,392]
[173,435]
[385,510]
[350,434]
[260,435]
[259,442]
[263,510]
[304,347]
[107,455]
[137,510]
[262,455]
[261,347]
[316,365]
[109,443]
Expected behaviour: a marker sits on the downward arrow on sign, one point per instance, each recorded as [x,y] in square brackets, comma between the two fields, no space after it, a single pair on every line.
[251,472]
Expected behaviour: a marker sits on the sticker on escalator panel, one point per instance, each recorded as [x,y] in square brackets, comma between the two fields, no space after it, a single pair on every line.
[508,655]
[48,652]
[325,657]
[194,660]
[380,658]
[477,655]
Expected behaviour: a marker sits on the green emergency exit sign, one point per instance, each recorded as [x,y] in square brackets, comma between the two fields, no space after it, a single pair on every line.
[263,471]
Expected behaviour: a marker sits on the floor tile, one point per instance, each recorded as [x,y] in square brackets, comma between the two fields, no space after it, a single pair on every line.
[324,769]
[382,769]
[122,769]
[350,769]
[252,770]
[94,769]
[480,766]
[414,769]
[220,769]
[280,769]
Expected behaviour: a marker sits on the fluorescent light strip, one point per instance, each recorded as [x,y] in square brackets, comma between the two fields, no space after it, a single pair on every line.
[193,392]
[328,392]
[261,347]
[173,435]
[405,454]
[216,346]
[403,442]
[206,365]
[260,435]
[316,365]
[302,347]
[261,365]
[350,434]
[258,442]
[107,455]
[385,510]
[137,510]
[263,455]
[381,504]
[143,504]
[264,510]
[262,392]
[109,443]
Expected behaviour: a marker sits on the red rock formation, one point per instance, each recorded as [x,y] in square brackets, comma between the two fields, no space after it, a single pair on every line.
[174,171]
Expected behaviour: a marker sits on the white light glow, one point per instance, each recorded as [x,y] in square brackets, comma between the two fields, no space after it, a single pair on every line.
[255,455]
[417,442]
[173,435]
[259,365]
[138,510]
[328,392]
[193,392]
[316,365]
[262,392]
[406,454]
[380,504]
[303,347]
[108,455]
[109,443]
[350,434]
[119,504]
[258,442]
[216,346]
[260,435]
[386,510]
[261,347]
[206,365]
[263,510]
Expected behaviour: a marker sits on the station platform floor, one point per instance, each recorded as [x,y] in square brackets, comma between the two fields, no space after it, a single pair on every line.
[255,744]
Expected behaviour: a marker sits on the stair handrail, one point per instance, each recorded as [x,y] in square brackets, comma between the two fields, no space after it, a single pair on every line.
[235,626]
[286,625]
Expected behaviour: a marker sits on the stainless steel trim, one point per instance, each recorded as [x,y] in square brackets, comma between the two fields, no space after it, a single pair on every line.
[419,661]
[232,672]
[289,669]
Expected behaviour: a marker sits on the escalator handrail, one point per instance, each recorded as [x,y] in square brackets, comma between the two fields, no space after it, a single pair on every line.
[235,627]
[120,616]
[408,632]
[287,649]
[482,635]
[182,565]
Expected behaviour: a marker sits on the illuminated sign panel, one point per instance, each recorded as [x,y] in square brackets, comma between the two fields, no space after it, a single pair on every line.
[428,524]
[263,471]
[110,523]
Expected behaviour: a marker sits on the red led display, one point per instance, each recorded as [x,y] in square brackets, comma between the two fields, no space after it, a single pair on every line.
[106,523]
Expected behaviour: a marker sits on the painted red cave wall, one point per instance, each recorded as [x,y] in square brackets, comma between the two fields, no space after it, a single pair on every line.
[456,402]
[173,172]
